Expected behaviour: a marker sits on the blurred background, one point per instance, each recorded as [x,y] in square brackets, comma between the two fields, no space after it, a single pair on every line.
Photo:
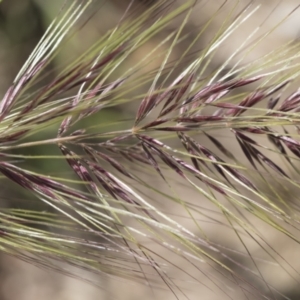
[22,23]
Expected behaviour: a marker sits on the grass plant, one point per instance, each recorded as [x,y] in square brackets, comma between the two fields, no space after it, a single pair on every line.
[112,210]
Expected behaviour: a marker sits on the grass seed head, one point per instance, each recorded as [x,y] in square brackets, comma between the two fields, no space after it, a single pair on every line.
[118,175]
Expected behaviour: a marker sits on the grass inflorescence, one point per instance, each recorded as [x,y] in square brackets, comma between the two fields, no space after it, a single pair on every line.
[117,208]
